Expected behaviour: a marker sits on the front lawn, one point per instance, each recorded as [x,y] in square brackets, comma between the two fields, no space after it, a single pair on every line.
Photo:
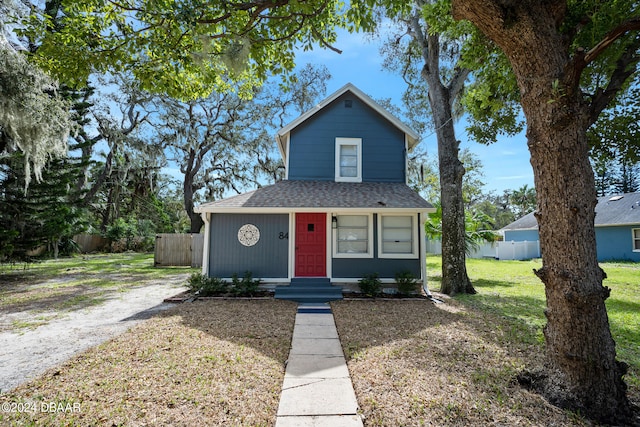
[197,364]
[509,289]
[37,292]
[414,363]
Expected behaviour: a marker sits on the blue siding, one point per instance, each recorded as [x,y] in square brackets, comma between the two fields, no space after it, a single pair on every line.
[266,259]
[312,143]
[521,235]
[385,267]
[612,243]
[616,243]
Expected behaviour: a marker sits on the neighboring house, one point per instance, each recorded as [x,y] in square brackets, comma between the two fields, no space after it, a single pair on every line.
[617,226]
[343,211]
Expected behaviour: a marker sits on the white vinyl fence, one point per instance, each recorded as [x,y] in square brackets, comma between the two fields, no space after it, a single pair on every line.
[498,250]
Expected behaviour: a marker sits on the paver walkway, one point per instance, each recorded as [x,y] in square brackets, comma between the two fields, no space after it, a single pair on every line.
[317,390]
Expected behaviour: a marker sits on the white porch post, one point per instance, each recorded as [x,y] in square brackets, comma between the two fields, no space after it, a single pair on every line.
[423,252]
[207,240]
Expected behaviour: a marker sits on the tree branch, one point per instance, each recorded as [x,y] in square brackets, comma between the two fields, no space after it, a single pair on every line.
[625,67]
[581,58]
[456,85]
[612,36]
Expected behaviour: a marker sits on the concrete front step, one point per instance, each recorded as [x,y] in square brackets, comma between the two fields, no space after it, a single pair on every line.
[309,290]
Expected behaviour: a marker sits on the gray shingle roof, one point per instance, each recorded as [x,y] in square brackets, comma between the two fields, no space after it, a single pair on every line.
[610,210]
[324,194]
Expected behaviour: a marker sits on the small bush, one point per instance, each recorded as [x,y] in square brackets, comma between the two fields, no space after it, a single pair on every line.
[245,287]
[195,281]
[206,286]
[407,283]
[370,284]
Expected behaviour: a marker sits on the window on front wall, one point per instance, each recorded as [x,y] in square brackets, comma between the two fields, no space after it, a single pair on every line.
[636,239]
[397,236]
[352,237]
[349,159]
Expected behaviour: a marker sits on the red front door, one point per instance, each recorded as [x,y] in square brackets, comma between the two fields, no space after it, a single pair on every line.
[311,244]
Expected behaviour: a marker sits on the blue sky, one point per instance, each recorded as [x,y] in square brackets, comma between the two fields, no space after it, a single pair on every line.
[505,162]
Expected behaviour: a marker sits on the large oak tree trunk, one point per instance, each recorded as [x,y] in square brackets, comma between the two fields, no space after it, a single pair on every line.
[581,371]
[195,220]
[454,271]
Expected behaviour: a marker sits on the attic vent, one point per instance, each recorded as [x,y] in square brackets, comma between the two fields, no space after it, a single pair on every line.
[348,103]
[615,198]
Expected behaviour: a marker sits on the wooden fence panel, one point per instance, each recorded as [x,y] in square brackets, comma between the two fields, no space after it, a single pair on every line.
[178,250]
[90,242]
[197,248]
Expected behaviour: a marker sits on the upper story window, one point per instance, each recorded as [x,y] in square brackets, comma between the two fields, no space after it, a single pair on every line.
[636,239]
[349,159]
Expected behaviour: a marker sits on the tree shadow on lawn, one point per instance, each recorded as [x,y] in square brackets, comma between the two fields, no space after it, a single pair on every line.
[473,348]
[264,325]
[442,364]
[481,283]
[201,363]
[622,306]
[54,299]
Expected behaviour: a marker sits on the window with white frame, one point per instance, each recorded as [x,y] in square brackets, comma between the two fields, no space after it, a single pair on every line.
[396,236]
[349,159]
[636,239]
[352,237]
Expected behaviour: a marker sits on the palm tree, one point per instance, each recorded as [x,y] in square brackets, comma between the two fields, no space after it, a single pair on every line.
[523,200]
[478,228]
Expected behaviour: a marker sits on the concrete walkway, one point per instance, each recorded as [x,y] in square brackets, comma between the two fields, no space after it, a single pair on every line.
[317,389]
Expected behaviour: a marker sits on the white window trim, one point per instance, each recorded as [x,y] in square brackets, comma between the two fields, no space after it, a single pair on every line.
[334,237]
[414,238]
[348,141]
[634,239]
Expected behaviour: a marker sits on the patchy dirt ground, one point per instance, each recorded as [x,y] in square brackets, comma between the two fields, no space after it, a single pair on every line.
[414,363]
[50,338]
[206,363]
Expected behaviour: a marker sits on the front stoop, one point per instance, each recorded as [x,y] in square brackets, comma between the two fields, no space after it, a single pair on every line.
[309,290]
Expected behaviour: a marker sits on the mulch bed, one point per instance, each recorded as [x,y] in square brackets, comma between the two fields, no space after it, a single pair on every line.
[189,296]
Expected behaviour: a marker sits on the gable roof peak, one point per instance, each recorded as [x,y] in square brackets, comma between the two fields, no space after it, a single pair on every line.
[412,137]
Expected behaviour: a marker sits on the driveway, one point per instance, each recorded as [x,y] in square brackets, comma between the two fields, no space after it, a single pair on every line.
[25,355]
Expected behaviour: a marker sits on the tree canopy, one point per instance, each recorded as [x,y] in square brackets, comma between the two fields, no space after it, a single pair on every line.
[184,49]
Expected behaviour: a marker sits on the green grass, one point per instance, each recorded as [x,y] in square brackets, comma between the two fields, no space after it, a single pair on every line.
[127,263]
[73,283]
[510,290]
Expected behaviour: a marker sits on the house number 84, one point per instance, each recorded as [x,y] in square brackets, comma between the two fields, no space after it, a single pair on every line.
[283,235]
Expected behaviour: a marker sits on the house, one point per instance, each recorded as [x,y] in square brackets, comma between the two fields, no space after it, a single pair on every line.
[617,226]
[344,209]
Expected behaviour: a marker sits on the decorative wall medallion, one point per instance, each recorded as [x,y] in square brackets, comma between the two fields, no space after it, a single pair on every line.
[248,235]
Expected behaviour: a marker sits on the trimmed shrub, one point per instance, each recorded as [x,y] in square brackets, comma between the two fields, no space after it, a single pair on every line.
[407,283]
[206,286]
[370,284]
[245,287]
